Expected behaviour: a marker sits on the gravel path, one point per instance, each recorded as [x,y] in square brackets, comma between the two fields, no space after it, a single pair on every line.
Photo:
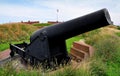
[4,54]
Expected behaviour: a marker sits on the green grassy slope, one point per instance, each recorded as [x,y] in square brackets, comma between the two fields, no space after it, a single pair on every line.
[105,61]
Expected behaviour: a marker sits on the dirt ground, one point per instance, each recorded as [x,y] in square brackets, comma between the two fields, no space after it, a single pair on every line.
[4,54]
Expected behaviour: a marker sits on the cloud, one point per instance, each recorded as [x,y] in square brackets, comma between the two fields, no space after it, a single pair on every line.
[67,10]
[21,12]
[45,10]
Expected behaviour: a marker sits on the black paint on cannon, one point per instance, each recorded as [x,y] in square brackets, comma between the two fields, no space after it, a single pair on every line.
[48,44]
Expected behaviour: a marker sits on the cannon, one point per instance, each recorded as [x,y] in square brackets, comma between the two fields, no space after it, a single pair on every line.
[48,45]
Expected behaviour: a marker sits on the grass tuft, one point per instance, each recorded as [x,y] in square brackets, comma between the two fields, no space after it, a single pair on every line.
[15,32]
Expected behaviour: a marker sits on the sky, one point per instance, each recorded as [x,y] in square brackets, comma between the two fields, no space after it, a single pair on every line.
[46,10]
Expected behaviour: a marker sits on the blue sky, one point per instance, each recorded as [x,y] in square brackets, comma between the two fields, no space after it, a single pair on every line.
[45,10]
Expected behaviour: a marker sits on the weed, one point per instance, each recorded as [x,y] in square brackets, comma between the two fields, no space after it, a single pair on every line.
[98,68]
[107,48]
[15,32]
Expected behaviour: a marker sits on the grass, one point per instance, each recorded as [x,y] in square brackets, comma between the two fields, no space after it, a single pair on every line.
[4,46]
[42,24]
[69,71]
[15,32]
[118,34]
[105,61]
[118,27]
[70,41]
[9,70]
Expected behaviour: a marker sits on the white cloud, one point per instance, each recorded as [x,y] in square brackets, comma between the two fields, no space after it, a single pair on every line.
[17,11]
[14,11]
[45,10]
[67,10]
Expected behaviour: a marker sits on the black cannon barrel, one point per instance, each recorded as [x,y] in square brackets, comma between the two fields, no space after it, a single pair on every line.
[48,44]
[76,26]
